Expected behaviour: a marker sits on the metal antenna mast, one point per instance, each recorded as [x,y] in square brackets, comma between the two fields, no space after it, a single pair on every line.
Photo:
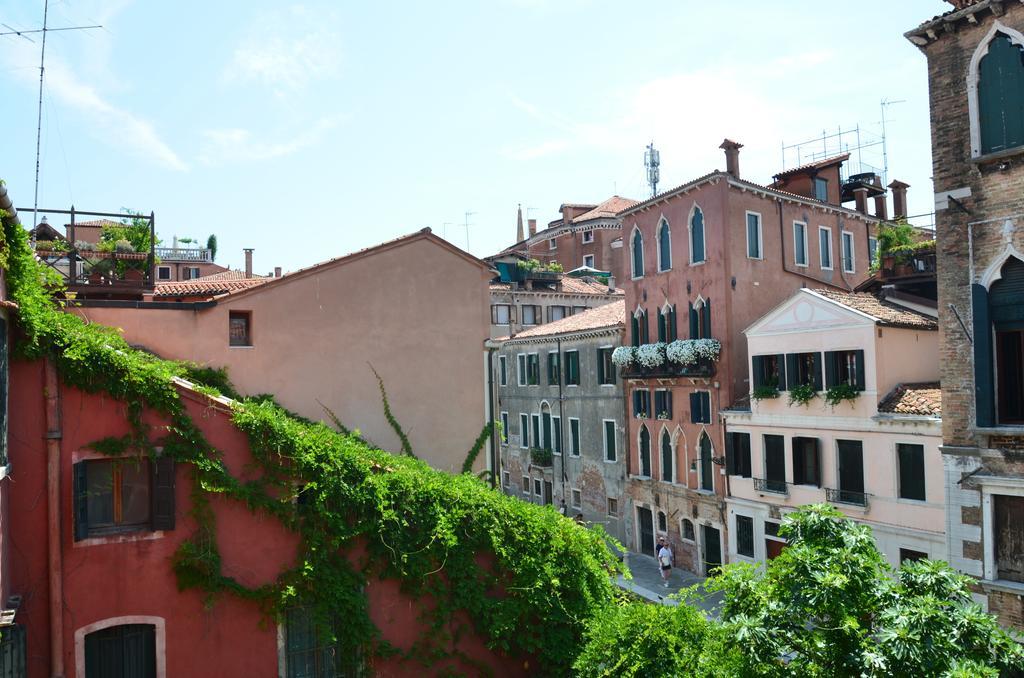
[42,69]
[468,215]
[885,148]
[652,161]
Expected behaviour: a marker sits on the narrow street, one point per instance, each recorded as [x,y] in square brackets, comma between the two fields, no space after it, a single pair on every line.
[647,584]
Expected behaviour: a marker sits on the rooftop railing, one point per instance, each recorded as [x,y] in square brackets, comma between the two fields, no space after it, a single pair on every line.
[184,254]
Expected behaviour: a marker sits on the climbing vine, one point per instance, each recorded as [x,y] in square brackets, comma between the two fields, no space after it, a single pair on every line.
[527,579]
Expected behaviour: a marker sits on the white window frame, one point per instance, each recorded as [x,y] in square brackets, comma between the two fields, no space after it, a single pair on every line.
[663,223]
[613,384]
[753,536]
[831,263]
[671,444]
[556,440]
[632,255]
[506,479]
[575,494]
[1006,486]
[160,269]
[552,243]
[843,237]
[497,320]
[521,369]
[502,371]
[538,487]
[588,237]
[895,451]
[528,355]
[682,533]
[579,368]
[524,430]
[604,437]
[522,314]
[588,261]
[760,234]
[504,428]
[872,247]
[801,225]
[608,507]
[574,448]
[527,484]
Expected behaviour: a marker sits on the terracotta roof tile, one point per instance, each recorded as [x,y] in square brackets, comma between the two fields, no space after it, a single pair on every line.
[205,287]
[921,399]
[569,286]
[817,164]
[606,210]
[884,312]
[97,223]
[608,315]
[230,274]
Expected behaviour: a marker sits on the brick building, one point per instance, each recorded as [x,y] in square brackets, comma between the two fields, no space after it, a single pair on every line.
[975,56]
[705,260]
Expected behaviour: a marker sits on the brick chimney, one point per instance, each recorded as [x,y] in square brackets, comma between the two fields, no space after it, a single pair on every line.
[532,223]
[277,271]
[881,206]
[248,262]
[732,156]
[861,196]
[899,198]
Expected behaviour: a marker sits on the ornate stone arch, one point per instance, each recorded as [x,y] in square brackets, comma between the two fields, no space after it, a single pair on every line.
[973,107]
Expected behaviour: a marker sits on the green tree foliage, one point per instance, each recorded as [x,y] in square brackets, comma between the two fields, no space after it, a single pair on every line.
[211,244]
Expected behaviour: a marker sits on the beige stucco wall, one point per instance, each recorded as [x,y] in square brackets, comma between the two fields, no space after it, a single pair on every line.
[417,311]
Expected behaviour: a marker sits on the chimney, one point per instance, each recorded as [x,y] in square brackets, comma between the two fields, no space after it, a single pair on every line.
[248,262]
[277,271]
[732,157]
[519,225]
[881,206]
[899,198]
[533,226]
[861,195]
[611,283]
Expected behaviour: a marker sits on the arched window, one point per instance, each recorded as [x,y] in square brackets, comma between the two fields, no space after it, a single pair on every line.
[638,254]
[662,522]
[645,452]
[641,329]
[545,417]
[697,254]
[707,478]
[664,246]
[687,530]
[700,319]
[667,458]
[1001,95]
[999,347]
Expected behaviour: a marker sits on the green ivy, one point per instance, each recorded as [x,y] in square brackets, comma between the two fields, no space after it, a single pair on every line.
[520,576]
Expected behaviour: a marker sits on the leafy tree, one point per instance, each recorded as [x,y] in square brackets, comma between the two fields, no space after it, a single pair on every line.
[211,244]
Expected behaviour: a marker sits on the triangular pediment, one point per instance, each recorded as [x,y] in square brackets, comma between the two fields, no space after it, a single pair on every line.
[805,311]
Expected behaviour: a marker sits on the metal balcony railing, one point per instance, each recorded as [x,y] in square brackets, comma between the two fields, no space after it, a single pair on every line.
[703,368]
[835,496]
[773,486]
[184,254]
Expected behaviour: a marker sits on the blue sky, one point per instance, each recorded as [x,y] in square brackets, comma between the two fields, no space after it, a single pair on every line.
[310,130]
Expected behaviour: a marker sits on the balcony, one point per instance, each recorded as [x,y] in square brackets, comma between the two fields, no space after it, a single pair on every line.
[189,254]
[542,276]
[541,457]
[834,496]
[668,369]
[780,487]
[909,261]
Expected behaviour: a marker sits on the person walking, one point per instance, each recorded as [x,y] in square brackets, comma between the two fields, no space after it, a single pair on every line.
[664,560]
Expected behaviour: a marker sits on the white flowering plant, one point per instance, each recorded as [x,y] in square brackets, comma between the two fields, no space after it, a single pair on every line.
[692,351]
[651,355]
[623,356]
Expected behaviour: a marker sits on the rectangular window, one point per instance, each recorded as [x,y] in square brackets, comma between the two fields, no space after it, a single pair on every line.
[574,437]
[663,404]
[803,368]
[872,250]
[190,273]
[911,461]
[557,312]
[848,261]
[538,441]
[844,367]
[123,495]
[521,369]
[526,484]
[775,463]
[613,507]
[609,440]
[745,536]
[577,499]
[556,435]
[572,368]
[501,314]
[642,404]
[588,236]
[578,309]
[771,529]
[821,189]
[538,487]
[504,427]
[769,371]
[502,371]
[309,652]
[754,235]
[506,479]
[163,272]
[806,462]
[911,556]
[552,243]
[1008,530]
[737,454]
[800,243]
[524,430]
[1010,362]
[605,366]
[851,472]
[531,315]
[588,261]
[825,247]
[554,369]
[533,369]
[239,328]
[700,407]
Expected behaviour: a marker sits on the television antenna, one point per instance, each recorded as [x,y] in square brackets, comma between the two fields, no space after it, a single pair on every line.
[42,69]
[885,148]
[468,215]
[652,161]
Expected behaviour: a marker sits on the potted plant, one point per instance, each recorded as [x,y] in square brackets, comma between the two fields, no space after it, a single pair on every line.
[765,391]
[840,392]
[664,416]
[802,394]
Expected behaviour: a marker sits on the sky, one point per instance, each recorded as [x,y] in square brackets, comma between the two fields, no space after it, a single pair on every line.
[310,130]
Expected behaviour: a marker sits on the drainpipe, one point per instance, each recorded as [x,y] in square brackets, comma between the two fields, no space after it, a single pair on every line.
[56,584]
[493,452]
[561,418]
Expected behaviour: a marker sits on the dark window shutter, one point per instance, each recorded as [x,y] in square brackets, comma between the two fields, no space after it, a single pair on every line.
[983,384]
[512,313]
[780,360]
[743,453]
[81,501]
[817,372]
[830,369]
[757,378]
[707,319]
[673,330]
[163,493]
[694,408]
[694,325]
[817,462]
[861,379]
[792,371]
[494,315]
[645,328]
[730,454]
[635,327]
[661,326]
[798,462]
[600,366]
[705,409]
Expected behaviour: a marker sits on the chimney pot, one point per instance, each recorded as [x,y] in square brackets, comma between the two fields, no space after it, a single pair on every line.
[277,271]
[533,226]
[899,198]
[861,195]
[248,262]
[882,207]
[732,157]
[611,283]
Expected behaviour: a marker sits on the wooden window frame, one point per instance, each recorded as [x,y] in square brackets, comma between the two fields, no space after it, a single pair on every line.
[248,338]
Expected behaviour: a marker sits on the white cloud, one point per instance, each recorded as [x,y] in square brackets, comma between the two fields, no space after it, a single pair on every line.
[286,50]
[235,144]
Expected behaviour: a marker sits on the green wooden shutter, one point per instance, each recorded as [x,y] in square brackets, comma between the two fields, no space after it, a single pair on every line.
[830,369]
[792,372]
[780,360]
[861,377]
[817,462]
[601,376]
[661,326]
[817,372]
[694,324]
[757,378]
[984,391]
[743,455]
[798,462]
[694,408]
[162,515]
[635,327]
[1001,96]
[81,500]
[707,319]
[730,454]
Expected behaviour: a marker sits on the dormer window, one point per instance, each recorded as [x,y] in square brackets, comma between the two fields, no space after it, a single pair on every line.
[821,189]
